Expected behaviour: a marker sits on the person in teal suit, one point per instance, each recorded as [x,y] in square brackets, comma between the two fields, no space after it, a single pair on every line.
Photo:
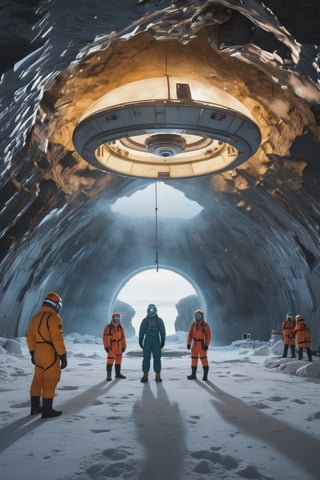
[152,337]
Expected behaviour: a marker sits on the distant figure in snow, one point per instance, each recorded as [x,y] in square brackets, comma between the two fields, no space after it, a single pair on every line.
[288,336]
[152,337]
[198,341]
[303,337]
[114,342]
[48,354]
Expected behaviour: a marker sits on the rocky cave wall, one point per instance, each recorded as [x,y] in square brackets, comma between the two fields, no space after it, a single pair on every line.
[251,264]
[253,251]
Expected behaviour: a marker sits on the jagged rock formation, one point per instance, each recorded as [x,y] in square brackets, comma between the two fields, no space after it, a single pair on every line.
[253,251]
[127,313]
[185,308]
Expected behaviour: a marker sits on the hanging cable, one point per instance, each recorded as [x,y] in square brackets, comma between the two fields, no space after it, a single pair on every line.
[156,225]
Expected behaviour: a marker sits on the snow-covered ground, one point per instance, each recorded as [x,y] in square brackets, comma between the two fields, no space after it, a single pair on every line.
[258,416]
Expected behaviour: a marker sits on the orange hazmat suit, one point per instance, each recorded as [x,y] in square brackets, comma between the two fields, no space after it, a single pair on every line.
[46,344]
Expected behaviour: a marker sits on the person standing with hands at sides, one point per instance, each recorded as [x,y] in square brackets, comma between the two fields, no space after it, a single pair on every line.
[152,337]
[48,354]
[303,336]
[198,340]
[114,342]
[288,336]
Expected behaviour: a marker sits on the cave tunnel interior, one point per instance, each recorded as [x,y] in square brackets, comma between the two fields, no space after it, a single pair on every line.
[236,138]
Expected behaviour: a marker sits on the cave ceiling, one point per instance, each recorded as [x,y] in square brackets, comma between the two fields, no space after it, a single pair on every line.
[252,252]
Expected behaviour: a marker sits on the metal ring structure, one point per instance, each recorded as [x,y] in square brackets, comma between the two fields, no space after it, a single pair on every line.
[201,132]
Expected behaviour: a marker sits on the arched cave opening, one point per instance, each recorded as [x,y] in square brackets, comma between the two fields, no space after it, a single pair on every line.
[173,292]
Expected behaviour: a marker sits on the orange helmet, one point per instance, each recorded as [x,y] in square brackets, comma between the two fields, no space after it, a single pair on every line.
[53,300]
[116,316]
[198,314]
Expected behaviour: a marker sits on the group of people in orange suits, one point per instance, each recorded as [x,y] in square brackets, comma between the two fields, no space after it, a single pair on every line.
[49,355]
[296,334]
[152,335]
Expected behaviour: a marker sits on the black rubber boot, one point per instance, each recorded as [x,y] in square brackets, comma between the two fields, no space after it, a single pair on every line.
[109,370]
[205,373]
[118,373]
[193,375]
[47,410]
[35,406]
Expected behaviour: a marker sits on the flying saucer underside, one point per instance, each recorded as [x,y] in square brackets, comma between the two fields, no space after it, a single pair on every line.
[182,130]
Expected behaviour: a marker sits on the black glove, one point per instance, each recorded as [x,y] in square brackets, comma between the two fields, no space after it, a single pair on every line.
[188,347]
[161,344]
[63,360]
[141,342]
[32,357]
[106,349]
[123,350]
[205,347]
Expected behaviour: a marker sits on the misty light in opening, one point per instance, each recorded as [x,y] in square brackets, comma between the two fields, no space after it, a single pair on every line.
[170,203]
[163,288]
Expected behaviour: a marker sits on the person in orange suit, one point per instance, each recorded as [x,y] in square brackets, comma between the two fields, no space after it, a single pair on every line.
[198,340]
[114,341]
[303,337]
[288,336]
[48,354]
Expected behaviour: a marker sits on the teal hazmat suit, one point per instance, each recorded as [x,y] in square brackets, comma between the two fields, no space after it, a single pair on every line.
[152,336]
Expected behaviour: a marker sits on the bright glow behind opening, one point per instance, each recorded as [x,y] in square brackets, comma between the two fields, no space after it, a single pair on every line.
[164,288]
[171,203]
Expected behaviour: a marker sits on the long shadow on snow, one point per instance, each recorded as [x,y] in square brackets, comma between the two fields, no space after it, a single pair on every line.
[16,430]
[295,444]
